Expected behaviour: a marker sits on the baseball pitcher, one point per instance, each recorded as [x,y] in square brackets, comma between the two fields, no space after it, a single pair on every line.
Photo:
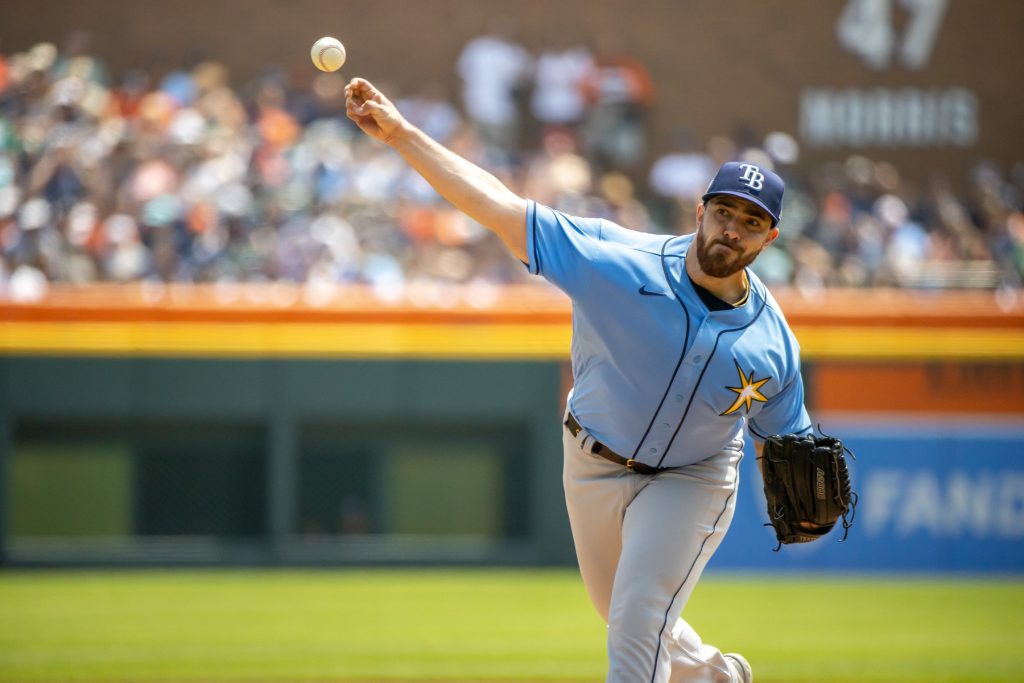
[677,347]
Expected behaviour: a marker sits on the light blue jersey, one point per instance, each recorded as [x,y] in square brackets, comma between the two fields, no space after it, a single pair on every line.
[659,377]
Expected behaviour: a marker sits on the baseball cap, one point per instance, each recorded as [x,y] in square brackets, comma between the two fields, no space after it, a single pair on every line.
[756,184]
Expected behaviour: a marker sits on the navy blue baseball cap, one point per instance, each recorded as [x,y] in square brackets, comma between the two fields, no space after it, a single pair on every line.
[756,184]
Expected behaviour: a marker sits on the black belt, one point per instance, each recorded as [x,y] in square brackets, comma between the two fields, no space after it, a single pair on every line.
[598,448]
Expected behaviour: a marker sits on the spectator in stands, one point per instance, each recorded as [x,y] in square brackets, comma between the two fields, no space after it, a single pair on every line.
[680,177]
[619,93]
[557,100]
[495,70]
[429,111]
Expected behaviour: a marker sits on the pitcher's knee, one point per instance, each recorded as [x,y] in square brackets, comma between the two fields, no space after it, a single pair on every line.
[634,653]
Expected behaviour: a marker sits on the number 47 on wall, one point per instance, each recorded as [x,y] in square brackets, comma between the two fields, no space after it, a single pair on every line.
[866,29]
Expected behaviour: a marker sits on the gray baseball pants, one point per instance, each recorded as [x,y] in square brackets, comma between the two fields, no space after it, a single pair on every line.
[642,543]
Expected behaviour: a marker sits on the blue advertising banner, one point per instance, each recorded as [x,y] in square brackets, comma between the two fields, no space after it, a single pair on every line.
[934,496]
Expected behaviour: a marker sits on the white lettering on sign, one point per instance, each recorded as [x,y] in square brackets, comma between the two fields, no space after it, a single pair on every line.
[752,176]
[907,502]
[880,117]
[865,28]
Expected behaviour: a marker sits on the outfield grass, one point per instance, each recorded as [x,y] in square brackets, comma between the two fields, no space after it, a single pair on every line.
[480,625]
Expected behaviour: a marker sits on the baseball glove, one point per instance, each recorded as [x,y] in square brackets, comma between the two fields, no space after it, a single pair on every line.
[807,486]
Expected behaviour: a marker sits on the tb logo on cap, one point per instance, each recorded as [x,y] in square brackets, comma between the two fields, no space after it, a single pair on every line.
[752,176]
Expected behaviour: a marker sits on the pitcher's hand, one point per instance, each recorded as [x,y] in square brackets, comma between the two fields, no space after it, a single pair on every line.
[373,113]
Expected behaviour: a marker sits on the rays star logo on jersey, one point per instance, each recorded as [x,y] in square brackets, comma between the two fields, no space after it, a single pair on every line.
[748,391]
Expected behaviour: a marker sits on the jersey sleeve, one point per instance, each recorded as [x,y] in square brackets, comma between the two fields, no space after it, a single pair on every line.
[561,248]
[784,413]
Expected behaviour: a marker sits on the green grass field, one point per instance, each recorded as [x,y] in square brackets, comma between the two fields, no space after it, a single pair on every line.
[484,625]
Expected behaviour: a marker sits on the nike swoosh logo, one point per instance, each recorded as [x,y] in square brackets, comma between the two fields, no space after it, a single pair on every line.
[646,292]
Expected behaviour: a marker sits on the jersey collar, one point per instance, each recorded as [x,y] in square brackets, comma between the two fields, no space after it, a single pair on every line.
[673,260]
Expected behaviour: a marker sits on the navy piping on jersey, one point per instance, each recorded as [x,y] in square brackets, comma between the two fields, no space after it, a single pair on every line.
[533,242]
[755,432]
[703,370]
[686,341]
[714,527]
[764,438]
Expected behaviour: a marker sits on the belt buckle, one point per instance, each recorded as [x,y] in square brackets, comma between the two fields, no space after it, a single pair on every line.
[629,464]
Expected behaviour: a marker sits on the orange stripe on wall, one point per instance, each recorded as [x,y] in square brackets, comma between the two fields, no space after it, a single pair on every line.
[934,387]
[478,305]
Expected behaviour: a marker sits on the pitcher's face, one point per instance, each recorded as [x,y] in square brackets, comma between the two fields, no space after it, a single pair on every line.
[731,232]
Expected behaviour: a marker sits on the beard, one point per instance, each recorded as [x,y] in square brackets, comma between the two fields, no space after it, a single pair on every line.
[722,262]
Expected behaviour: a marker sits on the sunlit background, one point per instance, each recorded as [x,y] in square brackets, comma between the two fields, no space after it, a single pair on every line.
[237,333]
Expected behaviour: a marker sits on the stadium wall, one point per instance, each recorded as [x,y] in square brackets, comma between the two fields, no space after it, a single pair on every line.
[190,425]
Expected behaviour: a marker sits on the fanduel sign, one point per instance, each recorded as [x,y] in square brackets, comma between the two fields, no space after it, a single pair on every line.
[957,504]
[940,495]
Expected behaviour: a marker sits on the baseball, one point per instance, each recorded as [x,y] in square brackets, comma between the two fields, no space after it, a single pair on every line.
[328,54]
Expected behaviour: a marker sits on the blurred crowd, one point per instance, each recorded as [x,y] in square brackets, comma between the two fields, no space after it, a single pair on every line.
[181,177]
